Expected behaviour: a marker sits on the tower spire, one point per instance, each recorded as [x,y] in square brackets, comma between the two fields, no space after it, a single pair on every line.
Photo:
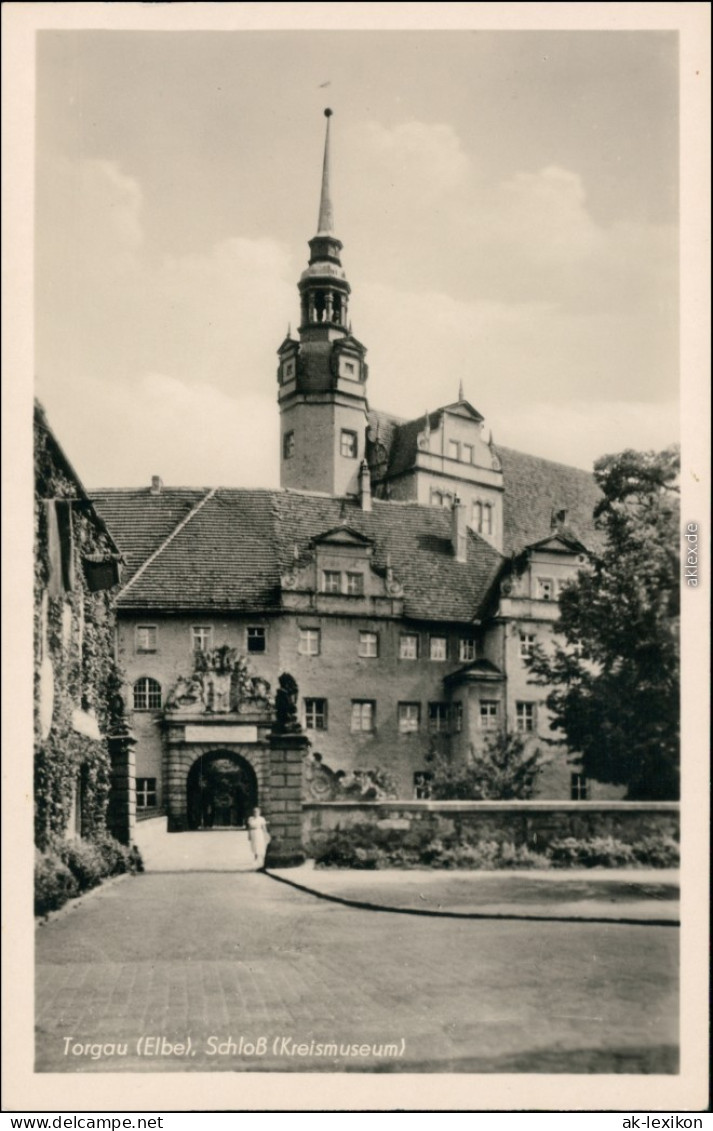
[325,224]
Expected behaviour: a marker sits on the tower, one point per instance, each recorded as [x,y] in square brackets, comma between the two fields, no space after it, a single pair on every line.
[322,373]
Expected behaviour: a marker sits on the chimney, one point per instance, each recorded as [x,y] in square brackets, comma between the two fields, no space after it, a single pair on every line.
[156,484]
[365,486]
[459,531]
[559,518]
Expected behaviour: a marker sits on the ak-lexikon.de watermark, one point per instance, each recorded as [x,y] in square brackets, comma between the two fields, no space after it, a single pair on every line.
[690,569]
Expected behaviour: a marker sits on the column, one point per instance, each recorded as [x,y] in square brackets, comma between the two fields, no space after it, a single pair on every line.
[283,803]
[121,813]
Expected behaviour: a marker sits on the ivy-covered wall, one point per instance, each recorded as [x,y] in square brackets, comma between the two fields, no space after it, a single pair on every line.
[74,632]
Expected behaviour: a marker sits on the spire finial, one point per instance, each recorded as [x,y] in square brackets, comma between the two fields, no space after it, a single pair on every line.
[325,225]
[461,397]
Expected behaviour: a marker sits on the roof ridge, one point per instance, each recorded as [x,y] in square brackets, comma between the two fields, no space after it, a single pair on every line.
[184,522]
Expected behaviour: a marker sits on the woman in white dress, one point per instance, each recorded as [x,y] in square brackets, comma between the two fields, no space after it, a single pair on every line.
[258,836]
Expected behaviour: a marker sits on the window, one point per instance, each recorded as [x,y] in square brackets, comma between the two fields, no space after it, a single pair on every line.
[363,712]
[453,449]
[256,639]
[409,717]
[439,718]
[483,517]
[468,453]
[331,581]
[147,694]
[527,643]
[466,651]
[422,785]
[438,648]
[202,637]
[408,647]
[355,584]
[456,717]
[288,445]
[309,642]
[368,645]
[315,714]
[145,793]
[289,372]
[525,717]
[579,787]
[146,637]
[348,444]
[489,714]
[545,588]
[349,367]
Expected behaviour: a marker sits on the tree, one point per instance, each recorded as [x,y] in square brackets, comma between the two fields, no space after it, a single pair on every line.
[614,672]
[505,769]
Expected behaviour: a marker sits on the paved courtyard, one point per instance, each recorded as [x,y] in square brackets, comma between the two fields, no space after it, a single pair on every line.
[260,976]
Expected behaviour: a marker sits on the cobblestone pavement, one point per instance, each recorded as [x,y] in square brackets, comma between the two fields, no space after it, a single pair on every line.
[216,957]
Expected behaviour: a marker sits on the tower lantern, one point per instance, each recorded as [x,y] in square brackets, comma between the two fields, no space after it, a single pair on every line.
[322,377]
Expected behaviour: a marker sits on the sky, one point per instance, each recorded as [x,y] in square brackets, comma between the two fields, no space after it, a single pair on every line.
[507,201]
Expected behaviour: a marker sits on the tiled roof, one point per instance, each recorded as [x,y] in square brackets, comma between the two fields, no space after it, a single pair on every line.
[533,487]
[536,487]
[232,550]
[140,521]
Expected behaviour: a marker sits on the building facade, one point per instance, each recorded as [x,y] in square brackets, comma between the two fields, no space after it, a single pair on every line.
[402,574]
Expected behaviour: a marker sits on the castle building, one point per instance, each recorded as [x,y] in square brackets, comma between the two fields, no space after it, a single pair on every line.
[401,574]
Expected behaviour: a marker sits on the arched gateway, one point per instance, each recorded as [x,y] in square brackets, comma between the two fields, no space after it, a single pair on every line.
[221,791]
[229,747]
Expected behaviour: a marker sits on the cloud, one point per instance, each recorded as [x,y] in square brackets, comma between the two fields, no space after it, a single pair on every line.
[157,425]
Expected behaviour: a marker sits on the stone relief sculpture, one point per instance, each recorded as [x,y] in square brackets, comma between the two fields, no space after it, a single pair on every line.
[221,683]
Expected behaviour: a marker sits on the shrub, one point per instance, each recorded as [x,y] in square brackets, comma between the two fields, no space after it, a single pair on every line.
[54,883]
[657,851]
[652,851]
[85,862]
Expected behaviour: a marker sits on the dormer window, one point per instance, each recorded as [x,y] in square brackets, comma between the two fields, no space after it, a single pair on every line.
[331,581]
[483,517]
[453,449]
[350,368]
[355,584]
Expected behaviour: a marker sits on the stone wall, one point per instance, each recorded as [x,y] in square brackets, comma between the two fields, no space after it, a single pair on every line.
[535,823]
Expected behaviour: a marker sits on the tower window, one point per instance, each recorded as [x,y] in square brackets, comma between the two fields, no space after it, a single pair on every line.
[348,444]
[483,517]
[288,445]
[147,694]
